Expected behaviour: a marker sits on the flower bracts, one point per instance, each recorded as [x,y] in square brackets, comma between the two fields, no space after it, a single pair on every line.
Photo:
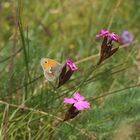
[67,71]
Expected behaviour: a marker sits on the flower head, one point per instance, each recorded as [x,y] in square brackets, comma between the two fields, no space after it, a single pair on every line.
[68,69]
[77,101]
[71,65]
[105,33]
[107,49]
[126,38]
[114,37]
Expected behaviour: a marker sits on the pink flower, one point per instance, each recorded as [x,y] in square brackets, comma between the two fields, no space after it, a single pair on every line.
[71,65]
[105,33]
[107,49]
[67,71]
[114,37]
[77,101]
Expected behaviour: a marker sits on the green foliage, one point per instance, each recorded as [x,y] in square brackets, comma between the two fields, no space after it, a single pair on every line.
[31,109]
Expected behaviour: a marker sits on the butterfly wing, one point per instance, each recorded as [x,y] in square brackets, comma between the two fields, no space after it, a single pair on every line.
[51,68]
[49,75]
[57,69]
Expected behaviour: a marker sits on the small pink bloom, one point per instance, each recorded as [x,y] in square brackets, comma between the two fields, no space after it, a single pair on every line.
[114,37]
[103,33]
[67,71]
[77,101]
[71,65]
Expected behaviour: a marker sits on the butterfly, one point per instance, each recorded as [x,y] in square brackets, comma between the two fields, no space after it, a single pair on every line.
[51,68]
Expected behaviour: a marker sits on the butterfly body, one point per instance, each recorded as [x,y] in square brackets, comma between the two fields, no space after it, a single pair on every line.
[51,68]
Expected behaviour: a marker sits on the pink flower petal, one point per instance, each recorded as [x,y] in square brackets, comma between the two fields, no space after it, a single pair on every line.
[98,35]
[113,36]
[86,104]
[69,101]
[81,105]
[78,97]
[103,33]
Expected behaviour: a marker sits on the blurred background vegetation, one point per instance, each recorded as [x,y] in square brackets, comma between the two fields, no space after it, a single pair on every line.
[60,29]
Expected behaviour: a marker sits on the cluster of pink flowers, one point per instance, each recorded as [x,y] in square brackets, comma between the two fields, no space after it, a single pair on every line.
[105,33]
[107,49]
[78,102]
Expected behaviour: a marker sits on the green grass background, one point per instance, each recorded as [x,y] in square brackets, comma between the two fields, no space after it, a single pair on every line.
[60,29]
